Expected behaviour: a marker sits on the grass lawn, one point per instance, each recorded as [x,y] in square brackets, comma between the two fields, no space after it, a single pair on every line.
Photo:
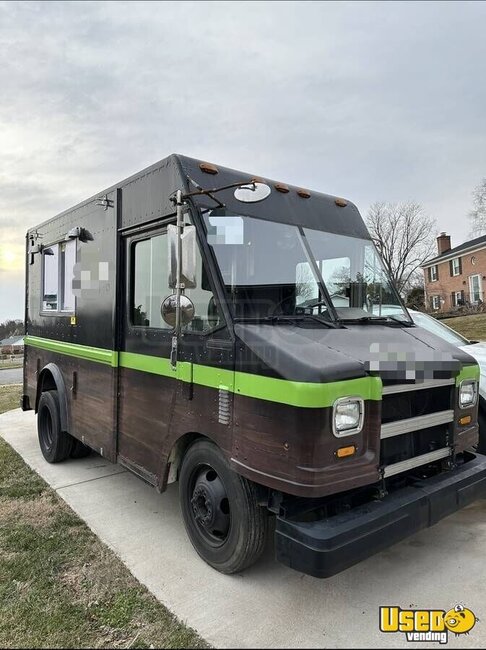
[11,363]
[9,397]
[60,587]
[473,327]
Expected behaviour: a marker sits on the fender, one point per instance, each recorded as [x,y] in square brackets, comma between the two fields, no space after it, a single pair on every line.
[45,383]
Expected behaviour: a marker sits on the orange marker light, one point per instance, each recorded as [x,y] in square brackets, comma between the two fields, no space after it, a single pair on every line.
[305,194]
[342,452]
[281,187]
[208,168]
[466,419]
[342,203]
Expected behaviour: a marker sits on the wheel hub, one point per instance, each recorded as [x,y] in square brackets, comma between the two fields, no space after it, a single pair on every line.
[210,506]
[201,506]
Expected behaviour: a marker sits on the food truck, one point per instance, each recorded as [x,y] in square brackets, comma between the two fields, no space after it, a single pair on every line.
[242,336]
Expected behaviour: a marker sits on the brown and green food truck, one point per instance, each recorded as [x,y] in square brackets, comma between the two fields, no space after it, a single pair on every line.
[242,336]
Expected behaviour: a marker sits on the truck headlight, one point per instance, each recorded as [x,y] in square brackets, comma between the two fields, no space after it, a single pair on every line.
[468,393]
[348,415]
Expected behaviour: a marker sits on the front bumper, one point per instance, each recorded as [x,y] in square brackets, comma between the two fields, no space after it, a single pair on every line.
[326,547]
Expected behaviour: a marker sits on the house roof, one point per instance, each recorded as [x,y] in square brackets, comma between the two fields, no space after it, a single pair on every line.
[13,340]
[472,244]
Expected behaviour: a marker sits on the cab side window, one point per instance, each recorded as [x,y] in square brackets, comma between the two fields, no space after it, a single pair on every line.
[150,287]
[150,281]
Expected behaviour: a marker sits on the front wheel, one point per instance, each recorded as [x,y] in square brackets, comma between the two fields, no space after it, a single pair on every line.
[224,522]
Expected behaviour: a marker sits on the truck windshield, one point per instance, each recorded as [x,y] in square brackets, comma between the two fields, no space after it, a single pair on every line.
[273,269]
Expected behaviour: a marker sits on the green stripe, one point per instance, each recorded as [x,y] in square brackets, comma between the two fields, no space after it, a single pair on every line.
[108,357]
[145,363]
[468,372]
[282,391]
[306,394]
[294,393]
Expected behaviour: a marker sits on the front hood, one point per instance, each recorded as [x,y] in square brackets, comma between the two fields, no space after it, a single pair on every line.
[317,354]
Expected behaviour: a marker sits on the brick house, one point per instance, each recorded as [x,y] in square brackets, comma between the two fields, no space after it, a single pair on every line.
[12,345]
[456,276]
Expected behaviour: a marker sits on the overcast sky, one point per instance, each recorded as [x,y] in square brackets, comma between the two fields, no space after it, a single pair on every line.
[371,101]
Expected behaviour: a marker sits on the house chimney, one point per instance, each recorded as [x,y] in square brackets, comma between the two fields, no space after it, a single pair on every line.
[443,243]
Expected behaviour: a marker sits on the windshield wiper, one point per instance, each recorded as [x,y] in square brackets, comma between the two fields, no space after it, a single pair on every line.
[286,318]
[379,319]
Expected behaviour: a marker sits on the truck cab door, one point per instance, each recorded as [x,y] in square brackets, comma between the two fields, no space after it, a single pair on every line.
[147,380]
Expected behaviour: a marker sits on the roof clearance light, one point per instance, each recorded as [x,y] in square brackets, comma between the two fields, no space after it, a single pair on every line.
[342,203]
[305,194]
[252,193]
[208,168]
[281,187]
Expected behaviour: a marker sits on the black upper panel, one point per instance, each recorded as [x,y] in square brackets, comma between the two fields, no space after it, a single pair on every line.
[319,211]
[314,354]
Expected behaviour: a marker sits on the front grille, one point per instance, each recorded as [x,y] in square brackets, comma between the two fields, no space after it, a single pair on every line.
[415,425]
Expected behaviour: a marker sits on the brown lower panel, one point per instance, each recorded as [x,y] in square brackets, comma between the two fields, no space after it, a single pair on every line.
[294,450]
[156,411]
[91,406]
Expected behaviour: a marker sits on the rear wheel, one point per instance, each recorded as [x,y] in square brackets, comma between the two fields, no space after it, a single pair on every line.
[224,522]
[55,444]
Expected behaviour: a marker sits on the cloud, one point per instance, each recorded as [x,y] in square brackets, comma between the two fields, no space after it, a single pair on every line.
[373,101]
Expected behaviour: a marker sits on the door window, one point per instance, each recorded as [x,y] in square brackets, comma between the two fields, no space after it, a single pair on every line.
[150,281]
[150,287]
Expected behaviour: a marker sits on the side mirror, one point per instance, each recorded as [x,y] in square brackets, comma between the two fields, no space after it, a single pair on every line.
[188,246]
[168,310]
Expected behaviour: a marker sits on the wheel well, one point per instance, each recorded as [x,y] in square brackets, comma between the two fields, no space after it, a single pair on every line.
[46,382]
[177,454]
[50,378]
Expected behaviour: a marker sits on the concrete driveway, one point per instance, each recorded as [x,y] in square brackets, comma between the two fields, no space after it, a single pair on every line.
[269,606]
[11,376]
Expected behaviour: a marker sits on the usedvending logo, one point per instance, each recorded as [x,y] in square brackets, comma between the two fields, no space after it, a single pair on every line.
[427,624]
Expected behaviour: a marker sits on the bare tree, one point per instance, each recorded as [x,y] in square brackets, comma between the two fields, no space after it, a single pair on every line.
[478,214]
[405,237]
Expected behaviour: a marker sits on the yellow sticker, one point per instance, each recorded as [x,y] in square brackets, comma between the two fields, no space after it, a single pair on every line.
[427,624]
[73,320]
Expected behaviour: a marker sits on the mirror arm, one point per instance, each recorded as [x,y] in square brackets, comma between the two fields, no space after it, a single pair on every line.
[177,329]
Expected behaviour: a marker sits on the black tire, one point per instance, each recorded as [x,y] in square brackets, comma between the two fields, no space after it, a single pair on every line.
[482,431]
[223,520]
[79,449]
[55,444]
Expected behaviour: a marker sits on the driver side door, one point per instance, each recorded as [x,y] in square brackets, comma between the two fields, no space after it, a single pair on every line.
[147,381]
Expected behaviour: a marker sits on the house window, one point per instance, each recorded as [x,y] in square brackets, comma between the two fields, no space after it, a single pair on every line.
[456,266]
[457,298]
[435,301]
[433,275]
[58,274]
[475,289]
